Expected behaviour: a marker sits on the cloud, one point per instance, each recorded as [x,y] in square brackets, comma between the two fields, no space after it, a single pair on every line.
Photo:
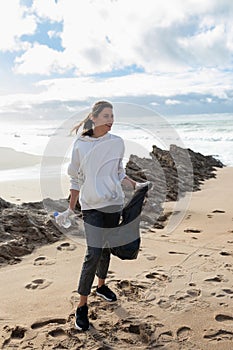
[172,102]
[180,48]
[40,59]
[162,36]
[209,82]
[15,20]
[209,47]
[48,9]
[54,34]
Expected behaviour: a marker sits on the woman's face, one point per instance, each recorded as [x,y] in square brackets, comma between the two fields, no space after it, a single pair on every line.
[104,120]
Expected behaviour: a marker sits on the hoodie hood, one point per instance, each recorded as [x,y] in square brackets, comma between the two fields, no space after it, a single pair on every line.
[94,139]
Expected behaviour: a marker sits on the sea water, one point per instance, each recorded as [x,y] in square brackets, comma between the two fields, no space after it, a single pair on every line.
[209,134]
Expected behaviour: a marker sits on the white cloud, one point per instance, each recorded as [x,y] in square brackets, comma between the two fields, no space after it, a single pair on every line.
[172,102]
[14,22]
[183,47]
[40,59]
[162,36]
[54,34]
[102,35]
[49,9]
[209,47]
[205,82]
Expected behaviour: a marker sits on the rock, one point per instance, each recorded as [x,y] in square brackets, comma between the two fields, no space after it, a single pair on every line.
[22,228]
[173,172]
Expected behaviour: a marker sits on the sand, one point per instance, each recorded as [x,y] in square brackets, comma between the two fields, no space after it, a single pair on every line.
[40,177]
[178,294]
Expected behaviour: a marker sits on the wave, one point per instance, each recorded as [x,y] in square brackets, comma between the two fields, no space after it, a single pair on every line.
[207,134]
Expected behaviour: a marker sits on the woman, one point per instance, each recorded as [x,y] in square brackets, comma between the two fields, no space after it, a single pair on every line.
[96,173]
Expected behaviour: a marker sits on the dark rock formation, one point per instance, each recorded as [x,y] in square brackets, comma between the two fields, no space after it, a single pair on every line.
[22,228]
[173,172]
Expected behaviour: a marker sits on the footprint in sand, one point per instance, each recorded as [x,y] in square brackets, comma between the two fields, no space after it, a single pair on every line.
[223,253]
[15,333]
[66,246]
[204,255]
[150,257]
[224,318]
[173,252]
[130,289]
[57,332]
[180,300]
[39,283]
[165,337]
[192,230]
[159,277]
[183,333]
[218,335]
[228,291]
[218,279]
[218,211]
[43,260]
[194,292]
[18,332]
[45,321]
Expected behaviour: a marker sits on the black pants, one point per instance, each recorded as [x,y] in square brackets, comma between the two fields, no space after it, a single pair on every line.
[98,225]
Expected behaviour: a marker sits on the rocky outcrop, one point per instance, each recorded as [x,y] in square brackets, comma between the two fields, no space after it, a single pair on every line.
[173,172]
[22,228]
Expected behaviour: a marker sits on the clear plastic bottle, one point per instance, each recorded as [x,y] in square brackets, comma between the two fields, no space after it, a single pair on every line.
[66,224]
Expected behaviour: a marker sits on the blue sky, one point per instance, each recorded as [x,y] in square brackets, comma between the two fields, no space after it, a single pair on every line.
[175,57]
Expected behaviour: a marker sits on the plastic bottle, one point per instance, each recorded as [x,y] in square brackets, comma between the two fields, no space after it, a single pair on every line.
[66,224]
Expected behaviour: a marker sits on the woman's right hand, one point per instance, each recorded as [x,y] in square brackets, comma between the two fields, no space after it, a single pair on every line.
[139,185]
[62,217]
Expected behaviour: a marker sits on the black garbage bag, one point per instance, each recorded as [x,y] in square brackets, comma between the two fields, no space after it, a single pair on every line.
[128,230]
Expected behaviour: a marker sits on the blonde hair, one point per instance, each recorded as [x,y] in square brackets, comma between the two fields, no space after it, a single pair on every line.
[87,122]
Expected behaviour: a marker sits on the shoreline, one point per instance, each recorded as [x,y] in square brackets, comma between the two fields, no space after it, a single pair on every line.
[23,180]
[11,159]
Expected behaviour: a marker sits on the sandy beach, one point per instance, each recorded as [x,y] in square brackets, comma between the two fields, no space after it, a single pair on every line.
[178,294]
[28,178]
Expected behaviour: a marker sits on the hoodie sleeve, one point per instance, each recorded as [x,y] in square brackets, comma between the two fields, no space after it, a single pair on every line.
[121,171]
[74,170]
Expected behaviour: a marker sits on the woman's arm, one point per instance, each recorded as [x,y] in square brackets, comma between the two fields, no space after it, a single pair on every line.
[74,194]
[75,180]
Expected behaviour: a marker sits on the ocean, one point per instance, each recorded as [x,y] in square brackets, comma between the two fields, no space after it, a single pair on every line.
[209,134]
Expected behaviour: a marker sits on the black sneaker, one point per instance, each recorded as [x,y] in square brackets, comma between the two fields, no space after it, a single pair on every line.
[106,293]
[81,318]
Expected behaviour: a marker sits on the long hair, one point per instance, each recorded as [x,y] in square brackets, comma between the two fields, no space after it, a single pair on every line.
[87,122]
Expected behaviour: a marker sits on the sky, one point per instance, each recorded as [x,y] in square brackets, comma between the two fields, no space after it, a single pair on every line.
[173,56]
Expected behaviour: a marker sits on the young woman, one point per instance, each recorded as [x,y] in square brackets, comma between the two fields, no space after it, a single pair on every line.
[96,173]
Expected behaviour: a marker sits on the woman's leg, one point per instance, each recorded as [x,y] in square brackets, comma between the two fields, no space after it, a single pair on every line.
[97,258]
[111,217]
[93,221]
[103,265]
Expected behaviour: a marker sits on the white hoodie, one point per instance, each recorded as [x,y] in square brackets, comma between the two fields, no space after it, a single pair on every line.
[96,170]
